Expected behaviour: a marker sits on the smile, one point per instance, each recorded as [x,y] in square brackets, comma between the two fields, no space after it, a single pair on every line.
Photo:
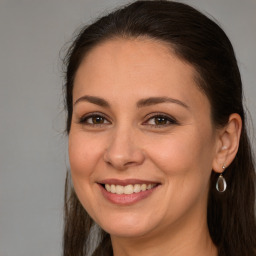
[127,192]
[128,189]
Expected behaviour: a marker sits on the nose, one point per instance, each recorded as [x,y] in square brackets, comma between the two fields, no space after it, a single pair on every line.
[123,151]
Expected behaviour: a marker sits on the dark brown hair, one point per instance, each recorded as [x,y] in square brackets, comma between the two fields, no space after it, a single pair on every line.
[199,41]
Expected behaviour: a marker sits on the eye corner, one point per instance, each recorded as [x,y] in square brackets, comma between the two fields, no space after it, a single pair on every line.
[94,119]
[160,120]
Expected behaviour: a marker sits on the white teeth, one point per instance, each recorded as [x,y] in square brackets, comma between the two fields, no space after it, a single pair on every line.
[119,189]
[112,189]
[128,189]
[108,187]
[143,187]
[136,188]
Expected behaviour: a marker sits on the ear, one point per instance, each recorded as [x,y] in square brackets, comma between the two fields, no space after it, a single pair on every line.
[228,139]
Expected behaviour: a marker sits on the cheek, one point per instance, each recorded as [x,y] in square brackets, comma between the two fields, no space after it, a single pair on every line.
[185,162]
[84,153]
[186,154]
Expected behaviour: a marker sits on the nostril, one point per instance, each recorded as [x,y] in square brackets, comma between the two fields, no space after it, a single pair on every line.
[122,154]
[129,163]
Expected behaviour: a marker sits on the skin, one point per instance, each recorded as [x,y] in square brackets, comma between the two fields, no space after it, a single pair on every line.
[130,144]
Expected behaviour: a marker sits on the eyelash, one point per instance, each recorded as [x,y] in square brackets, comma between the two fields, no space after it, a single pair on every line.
[170,120]
[84,120]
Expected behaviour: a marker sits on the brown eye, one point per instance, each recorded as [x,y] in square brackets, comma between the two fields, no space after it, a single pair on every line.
[161,121]
[94,120]
[97,119]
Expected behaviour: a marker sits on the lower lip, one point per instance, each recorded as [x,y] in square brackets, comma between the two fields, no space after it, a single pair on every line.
[124,199]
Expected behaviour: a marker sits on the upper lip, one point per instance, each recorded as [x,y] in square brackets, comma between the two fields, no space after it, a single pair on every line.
[127,182]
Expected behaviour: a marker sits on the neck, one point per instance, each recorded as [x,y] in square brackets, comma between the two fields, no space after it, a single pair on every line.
[188,237]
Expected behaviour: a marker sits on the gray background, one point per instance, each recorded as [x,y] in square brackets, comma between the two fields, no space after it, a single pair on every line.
[33,148]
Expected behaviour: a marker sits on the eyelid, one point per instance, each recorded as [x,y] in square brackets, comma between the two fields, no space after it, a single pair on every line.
[170,118]
[93,114]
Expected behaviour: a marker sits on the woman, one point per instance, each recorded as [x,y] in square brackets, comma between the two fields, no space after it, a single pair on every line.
[158,147]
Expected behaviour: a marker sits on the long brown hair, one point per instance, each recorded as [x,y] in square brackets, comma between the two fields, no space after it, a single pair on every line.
[201,42]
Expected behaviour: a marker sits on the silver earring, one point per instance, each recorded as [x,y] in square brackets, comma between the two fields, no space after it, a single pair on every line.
[221,184]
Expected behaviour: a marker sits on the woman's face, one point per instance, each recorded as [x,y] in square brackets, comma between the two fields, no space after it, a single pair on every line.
[139,118]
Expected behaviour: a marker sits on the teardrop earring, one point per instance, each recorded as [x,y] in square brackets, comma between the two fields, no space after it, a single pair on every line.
[221,184]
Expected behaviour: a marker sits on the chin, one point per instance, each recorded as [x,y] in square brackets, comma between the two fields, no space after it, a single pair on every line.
[127,227]
[127,231]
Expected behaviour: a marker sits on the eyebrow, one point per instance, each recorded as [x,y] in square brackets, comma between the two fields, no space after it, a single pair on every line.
[157,100]
[95,100]
[141,103]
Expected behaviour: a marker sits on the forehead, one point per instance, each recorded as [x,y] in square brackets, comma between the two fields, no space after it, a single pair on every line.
[137,54]
[138,67]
